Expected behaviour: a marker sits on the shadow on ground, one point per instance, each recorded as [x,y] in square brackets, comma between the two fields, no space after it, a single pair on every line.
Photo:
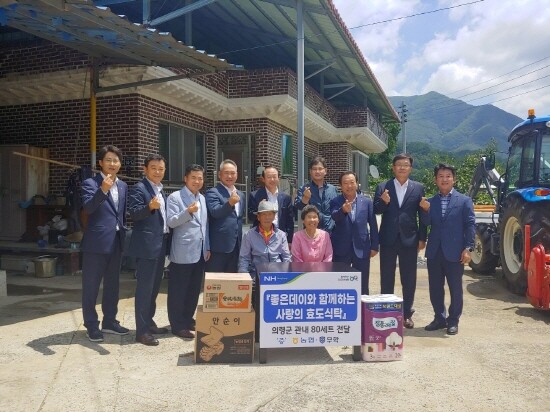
[32,298]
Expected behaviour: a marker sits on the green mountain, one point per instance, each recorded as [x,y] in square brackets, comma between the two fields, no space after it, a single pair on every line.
[451,125]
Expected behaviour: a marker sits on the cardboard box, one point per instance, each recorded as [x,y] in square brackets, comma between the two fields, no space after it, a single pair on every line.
[227,292]
[382,328]
[224,337]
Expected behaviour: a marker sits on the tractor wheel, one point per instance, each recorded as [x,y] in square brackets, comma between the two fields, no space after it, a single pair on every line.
[483,261]
[517,214]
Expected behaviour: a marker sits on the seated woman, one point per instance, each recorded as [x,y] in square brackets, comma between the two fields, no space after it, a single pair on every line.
[263,243]
[311,244]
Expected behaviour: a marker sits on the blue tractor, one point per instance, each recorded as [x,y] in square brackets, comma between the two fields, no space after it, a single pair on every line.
[521,205]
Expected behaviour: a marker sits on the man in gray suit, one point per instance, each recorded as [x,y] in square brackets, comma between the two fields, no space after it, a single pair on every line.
[187,216]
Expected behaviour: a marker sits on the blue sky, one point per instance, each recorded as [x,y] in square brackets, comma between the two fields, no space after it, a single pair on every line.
[460,51]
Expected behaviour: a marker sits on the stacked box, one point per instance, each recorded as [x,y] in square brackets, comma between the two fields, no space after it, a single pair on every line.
[225,327]
[227,292]
[382,328]
[224,337]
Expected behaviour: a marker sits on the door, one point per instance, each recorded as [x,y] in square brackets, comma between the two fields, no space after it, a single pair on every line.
[20,179]
[237,148]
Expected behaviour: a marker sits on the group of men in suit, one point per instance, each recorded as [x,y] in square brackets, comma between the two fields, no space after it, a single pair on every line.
[196,230]
[179,225]
[406,215]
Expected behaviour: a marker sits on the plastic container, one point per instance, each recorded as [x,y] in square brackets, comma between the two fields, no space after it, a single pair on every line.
[44,266]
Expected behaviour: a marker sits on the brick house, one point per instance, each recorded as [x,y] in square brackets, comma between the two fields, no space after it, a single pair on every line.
[245,115]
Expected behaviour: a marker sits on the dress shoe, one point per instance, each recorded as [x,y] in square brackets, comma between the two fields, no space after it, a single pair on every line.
[452,330]
[147,339]
[185,334]
[435,325]
[408,323]
[155,330]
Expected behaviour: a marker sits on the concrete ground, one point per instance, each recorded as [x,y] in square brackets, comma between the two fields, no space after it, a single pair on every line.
[499,361]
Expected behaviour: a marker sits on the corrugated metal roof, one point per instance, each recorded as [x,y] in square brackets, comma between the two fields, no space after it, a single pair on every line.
[262,33]
[97,31]
[253,33]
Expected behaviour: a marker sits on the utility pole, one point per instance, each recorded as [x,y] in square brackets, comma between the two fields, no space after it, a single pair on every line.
[403,115]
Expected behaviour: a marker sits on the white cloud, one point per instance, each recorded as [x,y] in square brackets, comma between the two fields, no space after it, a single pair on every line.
[473,44]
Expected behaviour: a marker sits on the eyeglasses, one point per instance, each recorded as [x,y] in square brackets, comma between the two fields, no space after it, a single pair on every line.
[402,165]
[112,161]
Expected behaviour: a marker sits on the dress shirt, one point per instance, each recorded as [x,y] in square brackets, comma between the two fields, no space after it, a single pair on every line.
[272,197]
[238,204]
[400,190]
[158,194]
[195,198]
[114,193]
[445,199]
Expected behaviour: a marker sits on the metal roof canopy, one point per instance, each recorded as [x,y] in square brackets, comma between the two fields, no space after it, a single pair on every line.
[262,34]
[101,34]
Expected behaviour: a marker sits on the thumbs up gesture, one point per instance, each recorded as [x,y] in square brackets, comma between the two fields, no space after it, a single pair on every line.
[424,204]
[234,198]
[107,183]
[306,196]
[193,207]
[346,207]
[385,196]
[154,203]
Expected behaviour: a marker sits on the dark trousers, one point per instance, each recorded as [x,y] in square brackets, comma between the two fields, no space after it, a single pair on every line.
[224,262]
[440,269]
[148,279]
[184,288]
[95,267]
[407,272]
[361,264]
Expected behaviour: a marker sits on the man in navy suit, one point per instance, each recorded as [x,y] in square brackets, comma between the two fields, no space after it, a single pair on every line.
[148,244]
[104,201]
[451,240]
[226,208]
[352,242]
[284,220]
[401,237]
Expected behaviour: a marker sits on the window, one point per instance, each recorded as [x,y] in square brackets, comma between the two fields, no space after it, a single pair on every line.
[360,166]
[514,160]
[180,147]
[545,160]
[527,171]
[287,168]
[307,160]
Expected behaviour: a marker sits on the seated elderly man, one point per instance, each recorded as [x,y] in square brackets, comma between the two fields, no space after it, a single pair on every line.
[263,243]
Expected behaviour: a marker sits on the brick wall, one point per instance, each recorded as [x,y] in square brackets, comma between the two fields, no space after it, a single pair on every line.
[39,56]
[131,121]
[338,158]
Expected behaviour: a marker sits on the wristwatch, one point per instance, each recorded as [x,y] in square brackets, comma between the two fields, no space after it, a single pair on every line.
[470,249]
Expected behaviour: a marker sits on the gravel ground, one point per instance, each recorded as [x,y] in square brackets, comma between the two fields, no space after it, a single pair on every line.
[499,361]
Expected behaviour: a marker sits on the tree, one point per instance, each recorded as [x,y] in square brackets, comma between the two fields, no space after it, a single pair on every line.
[383,161]
[465,169]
